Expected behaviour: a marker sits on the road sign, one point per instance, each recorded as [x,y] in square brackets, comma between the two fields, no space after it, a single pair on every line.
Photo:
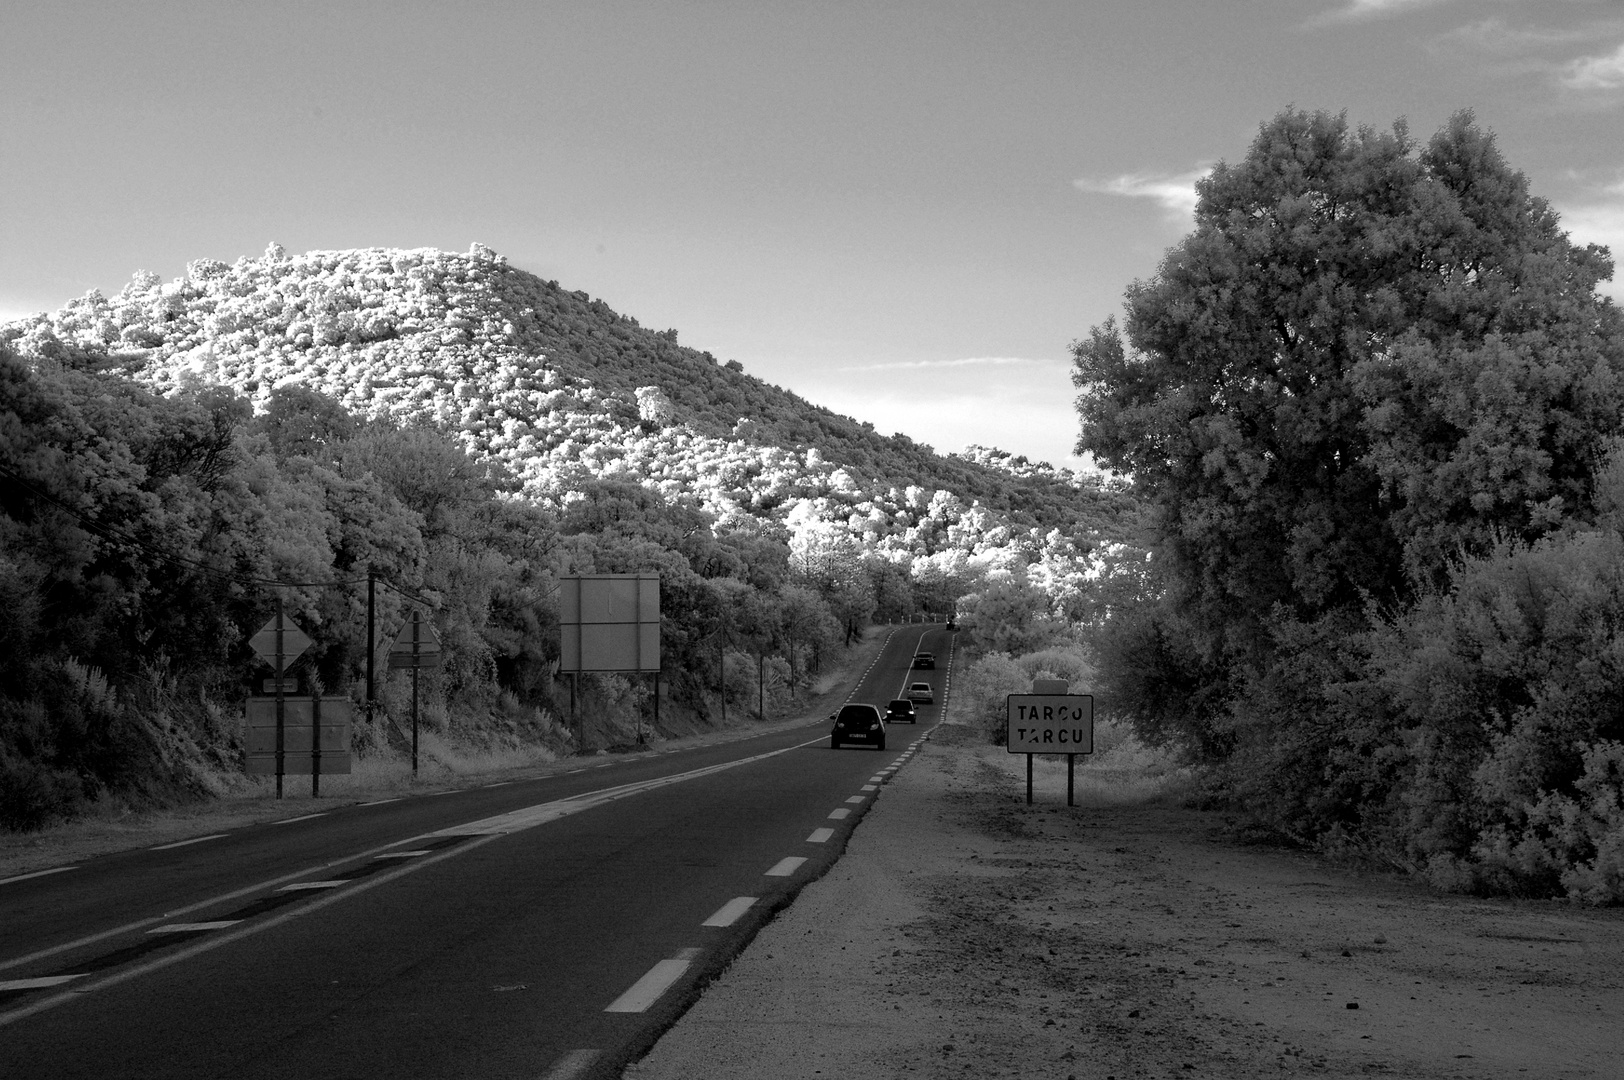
[417,645]
[299,723]
[609,622]
[1050,723]
[294,641]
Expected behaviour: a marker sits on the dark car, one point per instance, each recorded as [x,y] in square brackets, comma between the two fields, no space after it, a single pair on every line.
[952,624]
[857,723]
[921,694]
[924,660]
[901,711]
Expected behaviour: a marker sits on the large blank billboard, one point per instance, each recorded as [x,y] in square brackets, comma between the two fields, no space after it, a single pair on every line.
[609,622]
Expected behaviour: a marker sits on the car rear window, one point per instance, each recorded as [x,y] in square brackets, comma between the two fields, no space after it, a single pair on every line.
[858,714]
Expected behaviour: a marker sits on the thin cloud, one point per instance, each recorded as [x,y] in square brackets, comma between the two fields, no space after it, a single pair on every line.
[1600,221]
[1596,72]
[1175,194]
[968,361]
[1356,10]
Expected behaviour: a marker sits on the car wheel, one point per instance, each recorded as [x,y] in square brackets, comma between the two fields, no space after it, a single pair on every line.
[881,745]
[834,743]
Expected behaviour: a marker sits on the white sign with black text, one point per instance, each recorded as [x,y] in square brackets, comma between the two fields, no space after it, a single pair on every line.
[1050,723]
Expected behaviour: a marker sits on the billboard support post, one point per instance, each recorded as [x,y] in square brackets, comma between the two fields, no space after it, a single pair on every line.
[1050,720]
[610,622]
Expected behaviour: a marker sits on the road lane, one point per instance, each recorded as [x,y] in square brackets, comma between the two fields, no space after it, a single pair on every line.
[496,960]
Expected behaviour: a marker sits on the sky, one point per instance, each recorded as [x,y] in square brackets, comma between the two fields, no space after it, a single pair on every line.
[905,210]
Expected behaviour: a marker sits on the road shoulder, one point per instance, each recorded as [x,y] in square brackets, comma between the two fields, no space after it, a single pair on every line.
[964,933]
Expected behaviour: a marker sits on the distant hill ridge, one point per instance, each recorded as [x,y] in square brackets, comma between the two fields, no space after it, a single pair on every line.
[557,386]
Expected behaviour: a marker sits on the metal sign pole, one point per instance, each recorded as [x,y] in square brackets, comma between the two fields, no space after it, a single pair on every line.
[372,638]
[417,626]
[279,696]
[315,742]
[1029,779]
[1071,765]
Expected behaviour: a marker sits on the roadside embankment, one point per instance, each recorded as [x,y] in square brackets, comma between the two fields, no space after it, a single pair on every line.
[443,766]
[964,933]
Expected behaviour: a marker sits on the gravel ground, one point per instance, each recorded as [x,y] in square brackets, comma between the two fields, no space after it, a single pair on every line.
[964,933]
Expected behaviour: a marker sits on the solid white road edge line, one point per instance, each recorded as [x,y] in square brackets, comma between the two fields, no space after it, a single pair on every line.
[820,836]
[183,843]
[572,1065]
[647,990]
[291,820]
[786,866]
[300,886]
[729,913]
[37,873]
[257,925]
[188,927]
[40,983]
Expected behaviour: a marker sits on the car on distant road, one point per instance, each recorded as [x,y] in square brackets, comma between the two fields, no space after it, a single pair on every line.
[924,660]
[857,724]
[901,711]
[920,693]
[952,624]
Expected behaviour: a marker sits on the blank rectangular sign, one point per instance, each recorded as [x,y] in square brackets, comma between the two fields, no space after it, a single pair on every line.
[609,622]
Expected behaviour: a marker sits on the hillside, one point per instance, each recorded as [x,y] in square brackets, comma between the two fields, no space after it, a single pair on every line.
[557,386]
[178,459]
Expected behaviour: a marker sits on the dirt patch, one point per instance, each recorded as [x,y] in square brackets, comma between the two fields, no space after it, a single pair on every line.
[967,934]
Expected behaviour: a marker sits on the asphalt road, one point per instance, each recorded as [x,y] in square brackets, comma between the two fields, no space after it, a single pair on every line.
[546,929]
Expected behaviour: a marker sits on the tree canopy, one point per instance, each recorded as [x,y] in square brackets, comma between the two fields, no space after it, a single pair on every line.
[1368,358]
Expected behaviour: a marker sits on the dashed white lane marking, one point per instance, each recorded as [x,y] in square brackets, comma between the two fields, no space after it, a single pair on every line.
[300,886]
[380,802]
[786,866]
[819,836]
[572,1065]
[453,791]
[858,799]
[35,874]
[40,983]
[307,817]
[839,815]
[729,913]
[877,779]
[400,854]
[211,942]
[188,927]
[868,787]
[183,843]
[647,990]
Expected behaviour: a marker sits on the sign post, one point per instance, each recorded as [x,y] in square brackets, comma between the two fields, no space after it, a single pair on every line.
[1050,721]
[416,646]
[279,643]
[611,622]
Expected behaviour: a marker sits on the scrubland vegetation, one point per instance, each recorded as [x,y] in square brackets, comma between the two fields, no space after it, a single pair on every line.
[1373,402]
[173,457]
